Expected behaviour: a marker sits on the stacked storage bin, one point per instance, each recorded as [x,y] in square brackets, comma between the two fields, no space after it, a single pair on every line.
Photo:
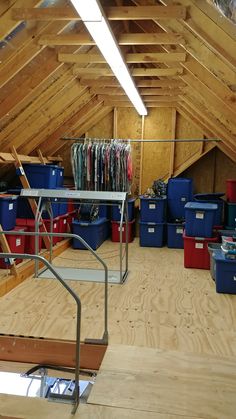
[213,198]
[179,192]
[115,222]
[8,211]
[93,232]
[47,177]
[199,222]
[230,219]
[152,221]
[224,265]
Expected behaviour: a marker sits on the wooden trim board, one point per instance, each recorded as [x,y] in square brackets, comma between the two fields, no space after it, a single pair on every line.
[50,352]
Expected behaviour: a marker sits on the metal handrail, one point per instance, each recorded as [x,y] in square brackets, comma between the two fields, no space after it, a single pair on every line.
[70,235]
[75,396]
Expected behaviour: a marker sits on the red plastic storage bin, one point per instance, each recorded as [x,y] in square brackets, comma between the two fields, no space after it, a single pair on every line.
[196,253]
[55,229]
[17,245]
[29,224]
[115,228]
[231,190]
[62,225]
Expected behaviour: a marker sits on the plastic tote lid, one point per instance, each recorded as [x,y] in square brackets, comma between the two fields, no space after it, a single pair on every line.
[201,206]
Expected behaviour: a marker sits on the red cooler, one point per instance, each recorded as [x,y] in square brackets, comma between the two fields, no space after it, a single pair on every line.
[55,228]
[115,237]
[231,190]
[17,245]
[29,224]
[62,225]
[196,253]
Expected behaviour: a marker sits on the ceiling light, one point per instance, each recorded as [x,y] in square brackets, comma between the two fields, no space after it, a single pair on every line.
[91,14]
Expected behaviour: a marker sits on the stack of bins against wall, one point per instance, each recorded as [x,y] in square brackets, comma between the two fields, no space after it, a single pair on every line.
[115,222]
[16,242]
[199,232]
[43,177]
[179,192]
[152,221]
[224,259]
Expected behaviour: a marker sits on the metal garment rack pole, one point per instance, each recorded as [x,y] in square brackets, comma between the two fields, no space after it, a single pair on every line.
[178,140]
[110,197]
[74,398]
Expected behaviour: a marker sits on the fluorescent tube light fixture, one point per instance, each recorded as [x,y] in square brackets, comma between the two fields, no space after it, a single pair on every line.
[92,16]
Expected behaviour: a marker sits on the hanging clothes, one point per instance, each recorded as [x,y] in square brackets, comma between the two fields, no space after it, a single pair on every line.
[102,166]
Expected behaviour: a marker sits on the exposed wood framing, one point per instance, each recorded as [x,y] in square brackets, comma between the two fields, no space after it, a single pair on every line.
[172,145]
[138,72]
[113,13]
[158,57]
[123,39]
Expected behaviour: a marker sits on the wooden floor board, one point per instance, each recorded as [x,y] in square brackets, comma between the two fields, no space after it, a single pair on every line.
[172,338]
[162,304]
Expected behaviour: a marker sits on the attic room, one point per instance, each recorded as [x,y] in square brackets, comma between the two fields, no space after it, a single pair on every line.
[117,209]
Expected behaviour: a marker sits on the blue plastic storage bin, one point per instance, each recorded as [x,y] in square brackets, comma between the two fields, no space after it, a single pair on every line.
[175,235]
[179,192]
[23,207]
[103,211]
[60,176]
[55,209]
[8,209]
[225,273]
[199,219]
[94,233]
[151,234]
[41,175]
[152,209]
[116,209]
[213,198]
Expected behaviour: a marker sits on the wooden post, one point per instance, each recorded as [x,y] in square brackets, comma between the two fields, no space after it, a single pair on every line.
[32,202]
[6,249]
[40,155]
[115,134]
[141,156]
[172,145]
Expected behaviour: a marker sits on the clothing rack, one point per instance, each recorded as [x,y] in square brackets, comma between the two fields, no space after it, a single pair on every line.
[178,140]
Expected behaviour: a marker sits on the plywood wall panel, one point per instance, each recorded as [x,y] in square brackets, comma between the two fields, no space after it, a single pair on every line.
[210,172]
[225,169]
[129,125]
[103,129]
[156,156]
[185,130]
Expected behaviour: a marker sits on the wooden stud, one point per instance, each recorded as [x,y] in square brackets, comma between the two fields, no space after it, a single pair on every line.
[172,145]
[123,39]
[157,57]
[112,13]
[109,82]
[32,202]
[139,72]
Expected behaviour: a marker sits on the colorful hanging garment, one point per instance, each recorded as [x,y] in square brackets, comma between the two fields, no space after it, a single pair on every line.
[102,166]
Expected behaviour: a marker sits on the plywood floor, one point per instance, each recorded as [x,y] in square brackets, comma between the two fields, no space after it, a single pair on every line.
[172,338]
[162,304]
